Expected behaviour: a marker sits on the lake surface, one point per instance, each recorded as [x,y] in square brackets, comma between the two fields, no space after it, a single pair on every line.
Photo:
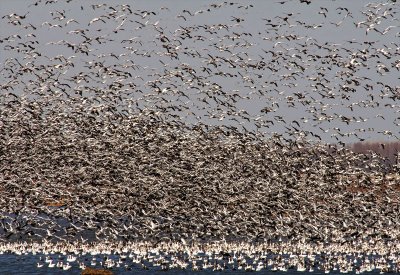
[27,264]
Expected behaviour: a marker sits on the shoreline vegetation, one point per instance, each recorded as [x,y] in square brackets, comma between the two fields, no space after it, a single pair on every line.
[390,151]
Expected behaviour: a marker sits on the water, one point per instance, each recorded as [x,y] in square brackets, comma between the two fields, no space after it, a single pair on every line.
[26,264]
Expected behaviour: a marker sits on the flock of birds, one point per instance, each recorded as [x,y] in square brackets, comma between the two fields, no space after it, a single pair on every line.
[215,256]
[117,126]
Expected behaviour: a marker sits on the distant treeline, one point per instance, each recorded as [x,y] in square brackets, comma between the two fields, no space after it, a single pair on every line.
[388,150]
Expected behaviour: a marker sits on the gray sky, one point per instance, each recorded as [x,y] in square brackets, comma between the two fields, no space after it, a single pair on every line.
[317,42]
